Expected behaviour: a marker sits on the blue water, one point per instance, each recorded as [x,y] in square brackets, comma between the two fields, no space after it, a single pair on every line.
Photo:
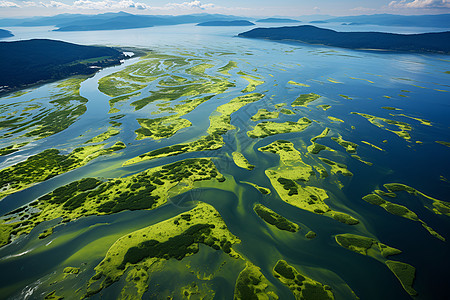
[420,165]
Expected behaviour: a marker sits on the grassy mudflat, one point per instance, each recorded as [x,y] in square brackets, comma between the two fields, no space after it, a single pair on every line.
[91,196]
[265,129]
[252,284]
[301,286]
[143,252]
[292,170]
[48,164]
[241,161]
[305,99]
[399,210]
[275,219]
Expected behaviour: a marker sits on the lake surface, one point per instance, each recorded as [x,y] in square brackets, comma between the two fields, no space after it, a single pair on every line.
[364,82]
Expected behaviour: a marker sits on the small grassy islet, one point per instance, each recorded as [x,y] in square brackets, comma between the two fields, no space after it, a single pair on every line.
[275,219]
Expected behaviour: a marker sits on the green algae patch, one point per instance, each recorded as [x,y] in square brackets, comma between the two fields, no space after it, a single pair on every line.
[372,145]
[361,160]
[315,148]
[335,119]
[116,86]
[46,233]
[345,97]
[219,125]
[225,70]
[399,210]
[336,168]
[301,286]
[264,114]
[325,107]
[350,147]
[405,273]
[286,111]
[265,129]
[252,284]
[195,291]
[261,189]
[271,217]
[305,99]
[365,246]
[71,270]
[160,127]
[241,161]
[443,143]
[252,84]
[5,234]
[48,164]
[439,207]
[145,190]
[52,296]
[104,136]
[146,250]
[310,235]
[403,127]
[297,83]
[390,108]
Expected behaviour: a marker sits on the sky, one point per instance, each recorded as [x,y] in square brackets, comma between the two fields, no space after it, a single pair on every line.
[251,8]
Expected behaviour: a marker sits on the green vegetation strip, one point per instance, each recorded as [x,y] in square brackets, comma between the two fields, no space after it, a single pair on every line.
[251,284]
[275,219]
[90,196]
[301,286]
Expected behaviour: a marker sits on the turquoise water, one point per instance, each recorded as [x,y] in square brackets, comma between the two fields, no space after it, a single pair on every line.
[366,77]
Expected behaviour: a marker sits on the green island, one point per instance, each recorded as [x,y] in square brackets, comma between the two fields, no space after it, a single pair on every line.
[335,119]
[241,161]
[402,126]
[405,273]
[286,111]
[325,107]
[252,284]
[315,148]
[297,83]
[261,189]
[310,235]
[252,84]
[301,286]
[372,145]
[47,164]
[275,219]
[350,147]
[264,114]
[292,170]
[371,247]
[142,252]
[225,70]
[305,99]
[267,128]
[443,143]
[90,196]
[219,125]
[399,210]
[365,246]
[439,207]
[337,168]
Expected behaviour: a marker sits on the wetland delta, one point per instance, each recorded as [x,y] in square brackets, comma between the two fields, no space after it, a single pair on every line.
[217,167]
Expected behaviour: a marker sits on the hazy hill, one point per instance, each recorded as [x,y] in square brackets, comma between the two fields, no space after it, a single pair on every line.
[278,20]
[442,21]
[5,33]
[426,42]
[227,23]
[29,62]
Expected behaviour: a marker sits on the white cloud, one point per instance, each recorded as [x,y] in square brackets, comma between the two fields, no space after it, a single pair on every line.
[8,4]
[190,5]
[420,4]
[91,5]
